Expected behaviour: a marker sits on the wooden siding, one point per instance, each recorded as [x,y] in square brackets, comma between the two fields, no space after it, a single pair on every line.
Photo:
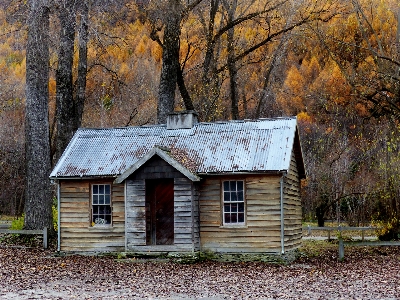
[186,221]
[292,207]
[262,230]
[186,231]
[135,231]
[76,232]
[197,214]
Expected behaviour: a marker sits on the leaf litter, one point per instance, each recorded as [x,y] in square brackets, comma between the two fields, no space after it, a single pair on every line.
[366,273]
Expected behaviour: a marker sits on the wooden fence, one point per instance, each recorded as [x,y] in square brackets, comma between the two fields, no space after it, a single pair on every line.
[339,229]
[4,228]
[343,243]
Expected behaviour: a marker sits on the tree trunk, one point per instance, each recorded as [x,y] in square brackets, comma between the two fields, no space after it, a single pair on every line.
[398,50]
[187,100]
[65,114]
[210,83]
[82,63]
[232,77]
[232,64]
[38,201]
[170,63]
[320,213]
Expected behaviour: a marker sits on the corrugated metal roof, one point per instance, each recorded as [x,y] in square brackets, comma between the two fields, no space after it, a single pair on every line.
[221,147]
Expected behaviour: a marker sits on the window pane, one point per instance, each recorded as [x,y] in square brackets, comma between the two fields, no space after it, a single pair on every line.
[233,185]
[227,208]
[226,185]
[95,199]
[240,185]
[227,218]
[101,189]
[95,209]
[108,219]
[241,217]
[240,196]
[241,207]
[101,209]
[107,189]
[95,189]
[107,199]
[108,210]
[227,196]
[234,196]
[233,218]
[234,207]
[101,199]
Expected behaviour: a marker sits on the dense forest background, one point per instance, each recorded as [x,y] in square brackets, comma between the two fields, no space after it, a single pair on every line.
[333,64]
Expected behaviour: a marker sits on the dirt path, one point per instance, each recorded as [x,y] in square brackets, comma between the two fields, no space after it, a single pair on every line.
[367,273]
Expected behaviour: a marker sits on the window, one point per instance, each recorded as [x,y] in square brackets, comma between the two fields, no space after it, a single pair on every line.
[101,204]
[233,202]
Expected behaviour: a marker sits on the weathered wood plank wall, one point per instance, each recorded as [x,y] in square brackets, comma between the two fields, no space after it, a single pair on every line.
[186,236]
[76,231]
[135,213]
[262,230]
[292,207]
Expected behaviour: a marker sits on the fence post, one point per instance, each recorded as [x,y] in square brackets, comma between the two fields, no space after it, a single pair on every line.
[45,238]
[341,248]
[309,230]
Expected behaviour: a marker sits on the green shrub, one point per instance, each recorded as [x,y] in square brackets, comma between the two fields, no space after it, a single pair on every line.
[18,223]
[55,217]
[388,230]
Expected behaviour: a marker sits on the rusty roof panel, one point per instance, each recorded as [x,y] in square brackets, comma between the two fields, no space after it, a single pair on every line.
[232,146]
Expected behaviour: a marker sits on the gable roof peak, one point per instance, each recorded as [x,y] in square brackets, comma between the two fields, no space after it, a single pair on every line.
[165,155]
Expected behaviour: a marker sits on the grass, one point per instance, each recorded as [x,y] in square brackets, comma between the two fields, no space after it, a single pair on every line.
[6,218]
[314,248]
[347,235]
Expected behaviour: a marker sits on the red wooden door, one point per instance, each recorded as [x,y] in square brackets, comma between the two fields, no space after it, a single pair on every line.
[160,212]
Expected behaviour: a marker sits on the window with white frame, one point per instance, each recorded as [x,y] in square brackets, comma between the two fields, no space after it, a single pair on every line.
[233,202]
[101,204]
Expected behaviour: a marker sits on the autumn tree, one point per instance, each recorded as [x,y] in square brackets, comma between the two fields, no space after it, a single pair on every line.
[170,61]
[70,95]
[364,48]
[65,109]
[38,200]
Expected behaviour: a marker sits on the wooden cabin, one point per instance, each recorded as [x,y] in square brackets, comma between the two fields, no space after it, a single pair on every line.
[184,186]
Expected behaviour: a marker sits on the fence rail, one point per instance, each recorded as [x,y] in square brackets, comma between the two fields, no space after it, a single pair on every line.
[343,243]
[36,232]
[339,229]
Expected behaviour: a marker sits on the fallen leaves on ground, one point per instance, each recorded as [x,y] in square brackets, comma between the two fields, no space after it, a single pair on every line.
[366,273]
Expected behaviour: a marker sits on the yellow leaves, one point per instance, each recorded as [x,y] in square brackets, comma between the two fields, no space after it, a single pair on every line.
[52,87]
[20,69]
[141,47]
[304,117]
[295,80]
[362,111]
[337,86]
[312,68]
[156,52]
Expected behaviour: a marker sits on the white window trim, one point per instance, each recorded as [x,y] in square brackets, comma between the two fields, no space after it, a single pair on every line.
[237,224]
[91,206]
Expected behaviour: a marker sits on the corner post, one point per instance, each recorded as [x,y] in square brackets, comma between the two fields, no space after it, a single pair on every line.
[45,238]
[282,214]
[58,216]
[341,249]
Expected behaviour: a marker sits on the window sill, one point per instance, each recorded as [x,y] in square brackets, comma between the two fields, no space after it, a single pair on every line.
[100,226]
[234,226]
